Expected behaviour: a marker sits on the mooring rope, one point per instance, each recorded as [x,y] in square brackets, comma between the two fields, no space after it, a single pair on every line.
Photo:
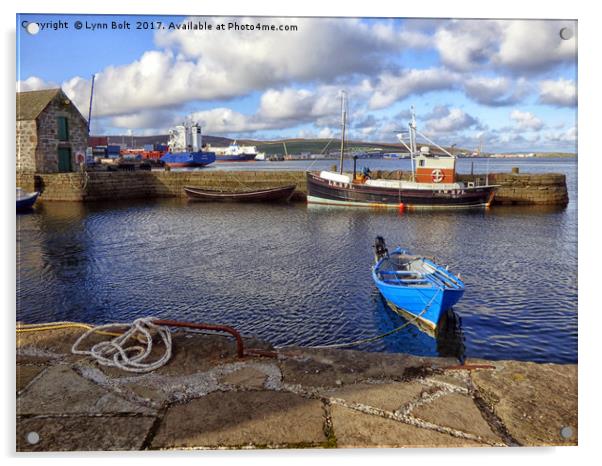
[370,339]
[118,353]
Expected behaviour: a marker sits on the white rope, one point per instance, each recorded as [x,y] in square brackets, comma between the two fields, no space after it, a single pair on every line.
[130,358]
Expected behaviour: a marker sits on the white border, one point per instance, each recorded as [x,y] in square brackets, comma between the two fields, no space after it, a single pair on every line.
[589,168]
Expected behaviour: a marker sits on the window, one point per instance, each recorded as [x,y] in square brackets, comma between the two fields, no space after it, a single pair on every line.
[63,128]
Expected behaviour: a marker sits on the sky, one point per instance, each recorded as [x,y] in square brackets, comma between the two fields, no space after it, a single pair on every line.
[509,85]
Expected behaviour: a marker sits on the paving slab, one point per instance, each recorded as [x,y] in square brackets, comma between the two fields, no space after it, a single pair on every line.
[458,412]
[83,433]
[238,419]
[332,367]
[246,377]
[50,345]
[26,373]
[354,429]
[387,396]
[61,391]
[534,401]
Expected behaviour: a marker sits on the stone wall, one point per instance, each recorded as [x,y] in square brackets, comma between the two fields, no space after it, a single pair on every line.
[541,189]
[48,142]
[97,186]
[27,140]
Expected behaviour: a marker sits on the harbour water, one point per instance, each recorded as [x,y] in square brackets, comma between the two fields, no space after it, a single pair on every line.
[293,274]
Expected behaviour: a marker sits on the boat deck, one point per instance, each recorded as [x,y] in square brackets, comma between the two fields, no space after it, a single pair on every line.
[417,272]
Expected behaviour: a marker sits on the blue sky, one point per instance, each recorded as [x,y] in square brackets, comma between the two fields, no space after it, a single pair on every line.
[510,84]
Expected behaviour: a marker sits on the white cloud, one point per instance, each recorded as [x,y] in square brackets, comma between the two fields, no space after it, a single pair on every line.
[465,45]
[498,91]
[444,120]
[568,136]
[521,46]
[562,93]
[390,87]
[33,83]
[529,45]
[302,104]
[526,121]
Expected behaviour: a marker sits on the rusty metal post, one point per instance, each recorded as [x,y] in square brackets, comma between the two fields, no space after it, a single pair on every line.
[240,349]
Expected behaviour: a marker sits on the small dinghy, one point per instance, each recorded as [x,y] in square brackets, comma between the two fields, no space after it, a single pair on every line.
[415,286]
[282,193]
[26,200]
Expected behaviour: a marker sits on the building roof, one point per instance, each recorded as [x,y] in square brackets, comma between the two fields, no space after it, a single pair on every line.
[31,103]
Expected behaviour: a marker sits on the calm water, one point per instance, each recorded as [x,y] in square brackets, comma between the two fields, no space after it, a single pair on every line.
[294,274]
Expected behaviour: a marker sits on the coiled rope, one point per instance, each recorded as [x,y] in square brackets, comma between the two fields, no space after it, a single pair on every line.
[119,352]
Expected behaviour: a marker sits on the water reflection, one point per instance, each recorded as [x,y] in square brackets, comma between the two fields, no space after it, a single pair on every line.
[446,341]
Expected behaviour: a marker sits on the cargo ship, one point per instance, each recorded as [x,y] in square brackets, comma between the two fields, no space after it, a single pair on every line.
[432,181]
[185,148]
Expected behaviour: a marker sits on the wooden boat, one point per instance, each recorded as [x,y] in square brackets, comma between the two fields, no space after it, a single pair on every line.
[282,193]
[26,200]
[415,286]
[433,183]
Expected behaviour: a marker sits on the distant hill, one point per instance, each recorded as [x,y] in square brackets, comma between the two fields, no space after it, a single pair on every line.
[319,146]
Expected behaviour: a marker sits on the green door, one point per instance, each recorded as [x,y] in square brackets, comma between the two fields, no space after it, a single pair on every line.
[64,159]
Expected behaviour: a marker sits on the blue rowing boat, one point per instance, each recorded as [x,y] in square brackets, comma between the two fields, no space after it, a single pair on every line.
[415,286]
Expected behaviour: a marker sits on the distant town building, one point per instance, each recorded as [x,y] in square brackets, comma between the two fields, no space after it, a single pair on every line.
[52,135]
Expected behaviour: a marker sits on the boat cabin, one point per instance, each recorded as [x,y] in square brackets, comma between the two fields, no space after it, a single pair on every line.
[430,168]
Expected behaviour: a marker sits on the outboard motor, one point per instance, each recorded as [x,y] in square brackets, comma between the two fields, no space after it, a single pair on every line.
[380,249]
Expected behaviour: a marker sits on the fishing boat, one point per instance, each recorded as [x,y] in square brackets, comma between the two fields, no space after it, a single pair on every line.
[282,193]
[26,200]
[415,286]
[185,148]
[432,182]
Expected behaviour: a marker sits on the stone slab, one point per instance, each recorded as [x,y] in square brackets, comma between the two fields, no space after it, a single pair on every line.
[26,373]
[61,391]
[458,412]
[246,377]
[387,396]
[83,433]
[238,419]
[353,429]
[534,401]
[330,367]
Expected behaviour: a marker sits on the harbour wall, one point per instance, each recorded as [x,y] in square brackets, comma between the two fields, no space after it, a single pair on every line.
[515,188]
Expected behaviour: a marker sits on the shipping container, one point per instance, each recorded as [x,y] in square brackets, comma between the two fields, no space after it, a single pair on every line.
[94,141]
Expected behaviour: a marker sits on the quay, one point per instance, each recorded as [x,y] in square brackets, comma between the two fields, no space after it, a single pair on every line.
[515,188]
[206,397]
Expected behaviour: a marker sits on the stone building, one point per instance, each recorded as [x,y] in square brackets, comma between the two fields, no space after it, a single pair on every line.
[52,135]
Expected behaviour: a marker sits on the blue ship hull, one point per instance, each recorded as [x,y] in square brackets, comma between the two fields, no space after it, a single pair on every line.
[423,291]
[236,158]
[188,159]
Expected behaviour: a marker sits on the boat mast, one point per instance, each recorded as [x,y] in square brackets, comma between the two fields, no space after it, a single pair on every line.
[413,142]
[343,123]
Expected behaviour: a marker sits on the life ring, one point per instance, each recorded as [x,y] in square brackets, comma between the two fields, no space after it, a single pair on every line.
[437,175]
[80,158]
